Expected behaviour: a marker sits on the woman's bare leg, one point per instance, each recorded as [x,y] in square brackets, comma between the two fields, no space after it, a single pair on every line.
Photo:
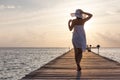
[78,57]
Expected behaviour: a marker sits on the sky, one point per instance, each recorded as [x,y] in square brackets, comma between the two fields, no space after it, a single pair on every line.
[43,23]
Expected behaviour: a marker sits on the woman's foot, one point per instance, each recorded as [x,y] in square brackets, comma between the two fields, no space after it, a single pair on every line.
[79,69]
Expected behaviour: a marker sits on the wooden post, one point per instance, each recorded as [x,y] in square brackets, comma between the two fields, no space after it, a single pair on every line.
[98,46]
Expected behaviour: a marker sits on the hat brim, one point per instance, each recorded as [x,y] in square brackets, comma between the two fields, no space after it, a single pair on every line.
[76,15]
[73,14]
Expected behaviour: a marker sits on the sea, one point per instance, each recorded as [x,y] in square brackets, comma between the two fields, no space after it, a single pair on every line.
[16,62]
[112,53]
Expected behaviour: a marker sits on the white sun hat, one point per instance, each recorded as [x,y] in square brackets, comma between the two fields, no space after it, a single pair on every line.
[77,13]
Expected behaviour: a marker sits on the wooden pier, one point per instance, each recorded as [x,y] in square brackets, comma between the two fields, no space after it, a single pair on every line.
[94,67]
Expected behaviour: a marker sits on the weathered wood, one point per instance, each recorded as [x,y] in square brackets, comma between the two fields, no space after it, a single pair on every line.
[94,67]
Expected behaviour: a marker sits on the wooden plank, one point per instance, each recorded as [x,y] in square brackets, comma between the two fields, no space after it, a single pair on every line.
[94,67]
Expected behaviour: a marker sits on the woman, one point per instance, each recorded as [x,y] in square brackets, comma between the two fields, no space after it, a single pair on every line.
[79,37]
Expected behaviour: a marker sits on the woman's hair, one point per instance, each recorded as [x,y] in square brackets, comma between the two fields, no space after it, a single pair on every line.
[78,18]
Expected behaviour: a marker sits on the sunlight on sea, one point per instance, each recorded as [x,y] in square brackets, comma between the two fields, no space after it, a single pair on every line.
[15,63]
[111,53]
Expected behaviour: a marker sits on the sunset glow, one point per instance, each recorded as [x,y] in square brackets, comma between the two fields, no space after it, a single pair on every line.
[43,23]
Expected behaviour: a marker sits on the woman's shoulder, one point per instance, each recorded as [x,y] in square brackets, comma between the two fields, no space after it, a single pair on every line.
[74,20]
[78,21]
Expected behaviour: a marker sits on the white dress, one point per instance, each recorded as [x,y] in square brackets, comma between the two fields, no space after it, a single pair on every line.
[79,37]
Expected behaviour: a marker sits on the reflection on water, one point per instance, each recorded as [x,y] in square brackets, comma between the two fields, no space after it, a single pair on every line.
[78,75]
[15,63]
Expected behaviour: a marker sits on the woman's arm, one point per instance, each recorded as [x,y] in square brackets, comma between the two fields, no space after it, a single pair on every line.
[88,16]
[70,24]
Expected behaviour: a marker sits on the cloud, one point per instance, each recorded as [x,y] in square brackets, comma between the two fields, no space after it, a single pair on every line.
[26,37]
[32,4]
[104,38]
[9,7]
[113,39]
[49,15]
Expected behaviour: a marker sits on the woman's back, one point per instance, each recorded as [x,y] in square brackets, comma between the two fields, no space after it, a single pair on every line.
[78,22]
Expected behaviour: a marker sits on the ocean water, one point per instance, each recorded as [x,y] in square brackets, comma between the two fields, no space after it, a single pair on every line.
[111,53]
[15,63]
